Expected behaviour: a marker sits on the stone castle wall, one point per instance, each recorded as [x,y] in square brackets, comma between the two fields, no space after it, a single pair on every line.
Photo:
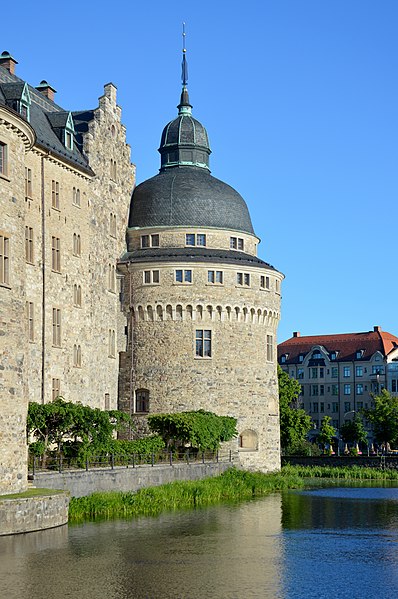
[237,380]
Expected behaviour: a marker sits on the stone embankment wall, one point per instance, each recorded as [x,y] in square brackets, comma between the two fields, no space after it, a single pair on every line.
[80,482]
[28,514]
[343,461]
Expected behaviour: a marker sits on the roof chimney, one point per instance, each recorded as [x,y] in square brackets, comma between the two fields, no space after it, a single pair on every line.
[46,89]
[8,62]
[377,329]
[296,334]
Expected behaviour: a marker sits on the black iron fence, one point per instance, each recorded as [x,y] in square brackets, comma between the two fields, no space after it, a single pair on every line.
[62,463]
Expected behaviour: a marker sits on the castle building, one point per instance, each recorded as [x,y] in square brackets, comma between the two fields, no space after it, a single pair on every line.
[339,373]
[64,180]
[202,308]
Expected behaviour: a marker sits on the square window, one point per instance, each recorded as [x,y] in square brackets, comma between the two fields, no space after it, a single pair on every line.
[190,239]
[145,241]
[201,239]
[203,341]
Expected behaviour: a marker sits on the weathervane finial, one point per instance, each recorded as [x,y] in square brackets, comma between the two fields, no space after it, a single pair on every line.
[184,76]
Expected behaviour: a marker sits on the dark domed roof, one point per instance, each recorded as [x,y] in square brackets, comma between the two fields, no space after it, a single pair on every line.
[188,196]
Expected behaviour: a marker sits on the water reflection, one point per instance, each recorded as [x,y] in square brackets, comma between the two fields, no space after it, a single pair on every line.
[321,543]
[217,552]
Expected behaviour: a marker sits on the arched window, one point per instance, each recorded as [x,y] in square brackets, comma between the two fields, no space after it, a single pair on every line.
[142,401]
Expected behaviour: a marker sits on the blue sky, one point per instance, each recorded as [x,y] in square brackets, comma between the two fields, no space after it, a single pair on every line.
[300,101]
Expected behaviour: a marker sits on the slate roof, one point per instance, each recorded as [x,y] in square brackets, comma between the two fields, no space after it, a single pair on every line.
[195,254]
[43,112]
[188,196]
[345,345]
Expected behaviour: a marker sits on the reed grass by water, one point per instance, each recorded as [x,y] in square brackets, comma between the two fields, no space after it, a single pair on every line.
[347,473]
[232,485]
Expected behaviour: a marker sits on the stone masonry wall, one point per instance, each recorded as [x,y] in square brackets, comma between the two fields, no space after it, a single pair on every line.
[237,380]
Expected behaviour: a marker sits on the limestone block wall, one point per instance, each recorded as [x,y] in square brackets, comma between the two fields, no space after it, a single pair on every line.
[18,138]
[239,379]
[175,237]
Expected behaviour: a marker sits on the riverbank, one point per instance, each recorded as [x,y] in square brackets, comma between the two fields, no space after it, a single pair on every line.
[232,485]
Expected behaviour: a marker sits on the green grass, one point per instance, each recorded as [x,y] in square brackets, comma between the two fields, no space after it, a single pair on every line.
[30,493]
[232,485]
[347,473]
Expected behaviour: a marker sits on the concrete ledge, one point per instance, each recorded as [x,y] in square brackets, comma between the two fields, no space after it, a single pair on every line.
[28,514]
[80,482]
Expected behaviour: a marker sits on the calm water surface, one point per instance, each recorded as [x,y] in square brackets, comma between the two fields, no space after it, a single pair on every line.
[321,543]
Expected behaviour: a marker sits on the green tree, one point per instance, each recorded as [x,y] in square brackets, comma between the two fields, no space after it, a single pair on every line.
[200,430]
[82,427]
[383,416]
[353,431]
[326,432]
[294,422]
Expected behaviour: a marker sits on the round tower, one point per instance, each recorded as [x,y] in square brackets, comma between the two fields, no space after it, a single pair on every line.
[203,309]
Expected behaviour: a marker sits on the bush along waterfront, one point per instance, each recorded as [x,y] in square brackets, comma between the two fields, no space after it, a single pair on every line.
[232,485]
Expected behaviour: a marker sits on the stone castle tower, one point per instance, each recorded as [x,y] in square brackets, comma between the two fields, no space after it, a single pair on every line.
[202,308]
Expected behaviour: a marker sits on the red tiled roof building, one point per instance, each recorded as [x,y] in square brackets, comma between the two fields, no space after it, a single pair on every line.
[338,373]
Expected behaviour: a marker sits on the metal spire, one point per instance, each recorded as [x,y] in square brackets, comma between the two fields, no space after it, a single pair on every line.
[184,106]
[184,75]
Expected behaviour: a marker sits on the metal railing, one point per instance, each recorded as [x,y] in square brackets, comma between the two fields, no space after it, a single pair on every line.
[61,463]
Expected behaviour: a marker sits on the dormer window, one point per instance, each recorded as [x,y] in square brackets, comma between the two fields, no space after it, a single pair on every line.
[69,132]
[283,359]
[301,358]
[333,355]
[359,354]
[316,355]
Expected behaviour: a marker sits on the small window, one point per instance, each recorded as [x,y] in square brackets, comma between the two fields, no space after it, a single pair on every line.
[215,277]
[359,389]
[3,159]
[29,245]
[55,194]
[333,355]
[277,286]
[76,197]
[347,371]
[262,282]
[203,344]
[243,278]
[151,277]
[142,401]
[77,356]
[77,248]
[347,389]
[107,403]
[236,243]
[56,254]
[55,389]
[4,260]
[112,278]
[359,354]
[28,182]
[111,343]
[283,359]
[30,320]
[56,327]
[301,358]
[192,239]
[112,225]
[77,296]
[270,348]
[113,172]
[183,276]
[150,241]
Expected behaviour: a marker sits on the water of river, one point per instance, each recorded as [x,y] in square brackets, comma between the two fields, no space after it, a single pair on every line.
[321,543]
